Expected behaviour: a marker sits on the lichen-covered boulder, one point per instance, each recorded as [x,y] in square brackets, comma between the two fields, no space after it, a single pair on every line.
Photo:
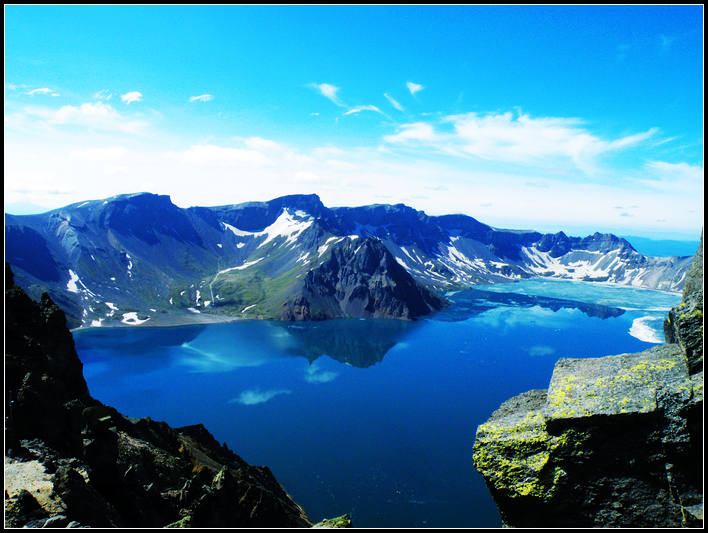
[343,521]
[615,441]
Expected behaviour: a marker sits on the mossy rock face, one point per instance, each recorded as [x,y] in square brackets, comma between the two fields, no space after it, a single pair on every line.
[684,323]
[609,444]
[342,521]
[620,384]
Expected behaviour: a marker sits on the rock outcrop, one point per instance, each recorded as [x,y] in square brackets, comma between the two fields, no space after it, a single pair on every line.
[684,325]
[614,441]
[70,460]
[361,279]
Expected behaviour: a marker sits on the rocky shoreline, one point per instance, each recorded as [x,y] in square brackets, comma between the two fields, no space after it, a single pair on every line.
[71,461]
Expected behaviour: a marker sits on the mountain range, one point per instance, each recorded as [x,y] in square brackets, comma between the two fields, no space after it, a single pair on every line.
[139,259]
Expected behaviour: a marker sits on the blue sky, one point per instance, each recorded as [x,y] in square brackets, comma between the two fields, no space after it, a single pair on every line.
[574,118]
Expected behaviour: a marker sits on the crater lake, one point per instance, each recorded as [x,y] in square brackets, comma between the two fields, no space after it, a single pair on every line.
[375,418]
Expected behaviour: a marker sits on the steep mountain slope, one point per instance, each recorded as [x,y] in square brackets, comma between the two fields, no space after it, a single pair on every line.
[72,461]
[138,258]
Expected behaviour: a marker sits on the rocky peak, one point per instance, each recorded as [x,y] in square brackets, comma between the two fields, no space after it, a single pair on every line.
[555,244]
[361,278]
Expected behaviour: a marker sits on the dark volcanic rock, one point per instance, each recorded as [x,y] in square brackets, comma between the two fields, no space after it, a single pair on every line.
[614,442]
[70,458]
[362,279]
[684,325]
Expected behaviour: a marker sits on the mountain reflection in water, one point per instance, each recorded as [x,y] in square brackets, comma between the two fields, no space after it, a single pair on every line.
[472,302]
[354,342]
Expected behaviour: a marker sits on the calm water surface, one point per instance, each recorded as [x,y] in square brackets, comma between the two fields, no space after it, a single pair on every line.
[375,418]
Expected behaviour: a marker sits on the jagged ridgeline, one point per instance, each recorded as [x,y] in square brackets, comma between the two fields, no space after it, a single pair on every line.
[138,258]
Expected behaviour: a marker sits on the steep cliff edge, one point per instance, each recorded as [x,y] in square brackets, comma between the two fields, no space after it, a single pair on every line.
[614,441]
[71,460]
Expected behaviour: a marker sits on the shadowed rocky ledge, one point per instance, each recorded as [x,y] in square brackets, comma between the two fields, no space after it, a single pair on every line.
[614,441]
[70,460]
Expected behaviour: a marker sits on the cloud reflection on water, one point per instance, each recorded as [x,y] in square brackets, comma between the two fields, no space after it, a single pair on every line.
[314,374]
[255,396]
[226,347]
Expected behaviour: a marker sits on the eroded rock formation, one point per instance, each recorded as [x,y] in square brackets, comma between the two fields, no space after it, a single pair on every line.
[614,441]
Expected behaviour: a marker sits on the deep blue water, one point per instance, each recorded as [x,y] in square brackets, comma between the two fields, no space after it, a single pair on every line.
[374,418]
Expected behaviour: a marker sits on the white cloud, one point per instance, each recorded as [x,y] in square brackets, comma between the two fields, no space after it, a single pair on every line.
[91,115]
[674,177]
[678,170]
[202,98]
[417,131]
[414,87]
[327,151]
[22,184]
[523,140]
[134,96]
[100,154]
[39,91]
[394,103]
[255,396]
[258,143]
[306,177]
[115,170]
[102,95]
[211,154]
[329,91]
[363,108]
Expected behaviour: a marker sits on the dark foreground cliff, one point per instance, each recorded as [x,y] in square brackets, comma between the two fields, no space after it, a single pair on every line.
[614,441]
[70,460]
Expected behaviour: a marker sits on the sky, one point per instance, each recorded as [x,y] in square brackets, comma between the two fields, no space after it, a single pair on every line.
[570,118]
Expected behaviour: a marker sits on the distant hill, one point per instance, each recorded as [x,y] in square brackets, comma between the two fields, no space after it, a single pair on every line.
[24,208]
[139,259]
[663,248]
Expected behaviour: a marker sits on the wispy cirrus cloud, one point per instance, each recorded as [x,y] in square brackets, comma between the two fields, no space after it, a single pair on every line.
[363,108]
[673,177]
[130,97]
[103,95]
[414,87]
[44,90]
[328,91]
[394,103]
[522,139]
[202,98]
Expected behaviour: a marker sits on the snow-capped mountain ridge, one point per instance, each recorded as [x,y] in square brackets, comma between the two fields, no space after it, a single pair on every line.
[147,256]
